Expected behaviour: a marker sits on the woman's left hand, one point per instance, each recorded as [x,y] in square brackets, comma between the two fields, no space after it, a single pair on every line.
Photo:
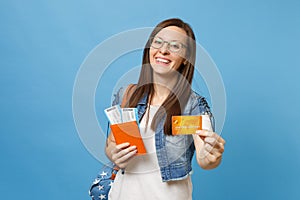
[212,149]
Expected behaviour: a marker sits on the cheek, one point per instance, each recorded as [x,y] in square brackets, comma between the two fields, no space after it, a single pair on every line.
[151,55]
[178,62]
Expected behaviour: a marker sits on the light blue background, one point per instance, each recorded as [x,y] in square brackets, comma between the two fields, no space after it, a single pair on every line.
[254,43]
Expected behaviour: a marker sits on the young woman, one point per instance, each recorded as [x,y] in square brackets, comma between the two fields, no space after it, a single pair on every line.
[164,90]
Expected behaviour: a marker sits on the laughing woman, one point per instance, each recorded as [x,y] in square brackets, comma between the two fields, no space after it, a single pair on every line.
[164,90]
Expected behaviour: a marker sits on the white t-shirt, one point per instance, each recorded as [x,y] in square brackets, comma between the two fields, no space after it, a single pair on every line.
[142,177]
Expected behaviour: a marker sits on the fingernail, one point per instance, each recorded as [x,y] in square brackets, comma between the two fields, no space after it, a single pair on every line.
[201,132]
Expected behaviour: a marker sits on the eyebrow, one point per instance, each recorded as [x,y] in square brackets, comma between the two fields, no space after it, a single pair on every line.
[169,40]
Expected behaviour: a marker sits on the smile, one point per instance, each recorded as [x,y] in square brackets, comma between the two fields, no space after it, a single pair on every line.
[162,60]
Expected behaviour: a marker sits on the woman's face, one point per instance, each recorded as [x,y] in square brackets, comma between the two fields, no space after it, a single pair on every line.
[165,60]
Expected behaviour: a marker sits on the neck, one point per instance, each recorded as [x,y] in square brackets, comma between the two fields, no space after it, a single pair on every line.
[162,87]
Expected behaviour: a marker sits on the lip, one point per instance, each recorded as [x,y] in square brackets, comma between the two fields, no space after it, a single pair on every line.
[162,60]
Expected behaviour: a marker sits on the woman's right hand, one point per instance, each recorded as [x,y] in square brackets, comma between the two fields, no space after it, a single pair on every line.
[122,154]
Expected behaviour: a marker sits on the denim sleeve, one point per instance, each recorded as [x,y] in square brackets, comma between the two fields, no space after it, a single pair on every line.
[117,99]
[201,107]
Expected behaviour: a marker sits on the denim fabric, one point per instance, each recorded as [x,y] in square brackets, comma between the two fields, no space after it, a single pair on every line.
[174,153]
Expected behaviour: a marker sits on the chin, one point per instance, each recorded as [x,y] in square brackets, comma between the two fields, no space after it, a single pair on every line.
[163,70]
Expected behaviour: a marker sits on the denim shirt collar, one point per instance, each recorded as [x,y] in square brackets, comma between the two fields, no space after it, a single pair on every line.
[143,100]
[141,106]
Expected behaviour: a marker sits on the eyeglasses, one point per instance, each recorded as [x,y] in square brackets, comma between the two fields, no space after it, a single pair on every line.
[173,46]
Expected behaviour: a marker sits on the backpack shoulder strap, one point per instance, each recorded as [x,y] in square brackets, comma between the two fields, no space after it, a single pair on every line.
[129,91]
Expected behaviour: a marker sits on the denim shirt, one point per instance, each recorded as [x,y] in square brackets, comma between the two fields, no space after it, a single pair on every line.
[174,153]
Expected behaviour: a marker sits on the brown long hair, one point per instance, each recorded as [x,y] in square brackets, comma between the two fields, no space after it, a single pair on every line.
[178,97]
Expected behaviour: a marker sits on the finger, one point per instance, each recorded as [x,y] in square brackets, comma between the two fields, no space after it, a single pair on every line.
[204,153]
[208,157]
[211,157]
[126,157]
[123,152]
[220,139]
[213,150]
[123,165]
[209,148]
[119,147]
[204,133]
[122,146]
[210,140]
[118,158]
[216,152]
[221,147]
[214,143]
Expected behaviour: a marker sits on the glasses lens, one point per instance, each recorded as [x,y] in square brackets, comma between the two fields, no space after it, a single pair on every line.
[157,43]
[174,46]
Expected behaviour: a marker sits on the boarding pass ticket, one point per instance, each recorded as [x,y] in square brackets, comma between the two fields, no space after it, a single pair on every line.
[117,115]
[129,114]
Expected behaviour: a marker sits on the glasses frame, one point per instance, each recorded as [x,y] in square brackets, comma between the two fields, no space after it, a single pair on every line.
[168,44]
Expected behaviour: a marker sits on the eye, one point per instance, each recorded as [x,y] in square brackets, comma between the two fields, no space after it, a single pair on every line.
[175,45]
[157,41]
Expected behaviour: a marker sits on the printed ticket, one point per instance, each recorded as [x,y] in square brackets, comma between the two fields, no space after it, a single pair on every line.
[117,115]
[182,125]
[129,114]
[114,114]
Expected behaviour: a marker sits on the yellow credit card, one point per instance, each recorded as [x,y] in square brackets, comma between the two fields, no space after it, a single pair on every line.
[182,125]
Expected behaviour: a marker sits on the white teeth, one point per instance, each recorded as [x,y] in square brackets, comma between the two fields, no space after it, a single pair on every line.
[162,60]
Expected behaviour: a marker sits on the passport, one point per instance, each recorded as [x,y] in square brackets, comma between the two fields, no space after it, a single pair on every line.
[129,132]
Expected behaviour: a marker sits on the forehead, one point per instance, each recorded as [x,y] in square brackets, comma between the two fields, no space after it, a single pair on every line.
[172,33]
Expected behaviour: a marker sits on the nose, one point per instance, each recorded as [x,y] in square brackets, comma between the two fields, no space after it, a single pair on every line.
[164,49]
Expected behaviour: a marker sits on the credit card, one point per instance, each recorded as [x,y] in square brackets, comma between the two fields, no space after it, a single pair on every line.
[182,125]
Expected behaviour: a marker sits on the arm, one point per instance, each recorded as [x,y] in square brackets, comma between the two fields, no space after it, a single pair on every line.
[209,145]
[120,154]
